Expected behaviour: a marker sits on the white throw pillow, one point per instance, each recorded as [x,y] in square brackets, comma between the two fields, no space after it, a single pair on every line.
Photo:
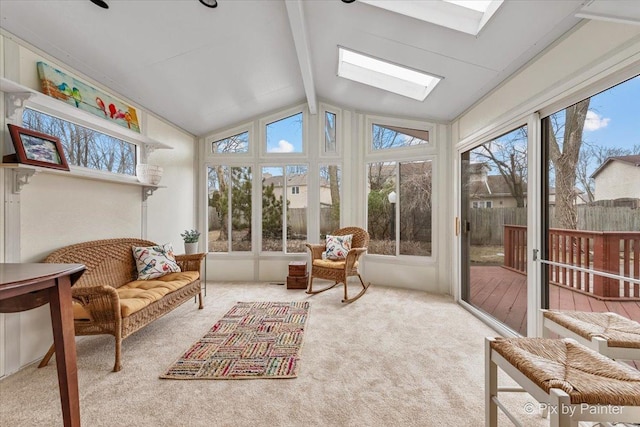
[338,246]
[155,261]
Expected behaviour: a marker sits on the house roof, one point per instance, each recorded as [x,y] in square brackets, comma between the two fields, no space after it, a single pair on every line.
[494,186]
[206,69]
[633,160]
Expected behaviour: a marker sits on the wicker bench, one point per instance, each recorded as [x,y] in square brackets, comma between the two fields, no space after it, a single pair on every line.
[609,334]
[569,380]
[108,298]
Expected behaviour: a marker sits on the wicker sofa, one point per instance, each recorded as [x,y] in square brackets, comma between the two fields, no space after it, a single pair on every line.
[108,298]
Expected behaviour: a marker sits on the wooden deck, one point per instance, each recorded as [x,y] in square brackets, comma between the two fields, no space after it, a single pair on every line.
[502,293]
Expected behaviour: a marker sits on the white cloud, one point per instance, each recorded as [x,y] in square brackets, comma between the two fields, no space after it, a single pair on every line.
[594,121]
[283,147]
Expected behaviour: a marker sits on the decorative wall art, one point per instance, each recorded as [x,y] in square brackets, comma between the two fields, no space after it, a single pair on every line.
[37,149]
[59,85]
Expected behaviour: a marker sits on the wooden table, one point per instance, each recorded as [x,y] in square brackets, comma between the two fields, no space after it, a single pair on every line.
[27,286]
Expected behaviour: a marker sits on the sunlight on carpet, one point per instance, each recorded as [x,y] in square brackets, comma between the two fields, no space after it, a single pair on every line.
[253,340]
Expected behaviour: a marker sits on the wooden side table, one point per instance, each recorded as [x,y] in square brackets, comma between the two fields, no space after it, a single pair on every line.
[27,286]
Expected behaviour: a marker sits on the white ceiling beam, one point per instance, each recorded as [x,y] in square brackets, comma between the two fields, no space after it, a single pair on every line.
[620,11]
[301,41]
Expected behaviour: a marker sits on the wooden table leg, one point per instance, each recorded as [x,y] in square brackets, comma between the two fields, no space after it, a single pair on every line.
[65,344]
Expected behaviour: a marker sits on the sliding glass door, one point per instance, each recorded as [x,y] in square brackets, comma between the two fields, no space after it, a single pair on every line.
[592,193]
[494,228]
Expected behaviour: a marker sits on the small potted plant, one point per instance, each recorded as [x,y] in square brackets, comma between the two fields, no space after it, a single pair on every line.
[190,238]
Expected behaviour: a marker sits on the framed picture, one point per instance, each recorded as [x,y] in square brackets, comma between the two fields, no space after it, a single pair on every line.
[37,149]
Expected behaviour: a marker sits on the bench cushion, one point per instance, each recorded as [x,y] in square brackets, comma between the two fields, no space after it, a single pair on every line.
[586,376]
[617,330]
[138,294]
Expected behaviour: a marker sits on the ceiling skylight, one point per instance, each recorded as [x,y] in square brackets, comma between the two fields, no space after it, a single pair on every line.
[468,16]
[385,75]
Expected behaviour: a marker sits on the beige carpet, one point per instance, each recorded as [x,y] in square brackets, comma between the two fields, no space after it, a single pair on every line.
[393,358]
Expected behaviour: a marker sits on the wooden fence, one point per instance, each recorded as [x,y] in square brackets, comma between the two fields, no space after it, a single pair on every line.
[487,223]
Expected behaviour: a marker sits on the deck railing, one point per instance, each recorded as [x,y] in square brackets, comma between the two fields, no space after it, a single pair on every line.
[616,252]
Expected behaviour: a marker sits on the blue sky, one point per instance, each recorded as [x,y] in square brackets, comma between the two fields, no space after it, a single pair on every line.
[614,116]
[285,136]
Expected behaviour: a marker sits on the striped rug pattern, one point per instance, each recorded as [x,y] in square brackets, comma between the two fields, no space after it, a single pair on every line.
[253,340]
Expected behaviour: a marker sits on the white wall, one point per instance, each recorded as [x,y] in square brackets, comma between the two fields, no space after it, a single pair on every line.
[172,210]
[551,74]
[617,180]
[58,210]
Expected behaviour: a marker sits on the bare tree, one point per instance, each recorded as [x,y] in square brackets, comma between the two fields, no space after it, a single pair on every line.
[415,193]
[564,153]
[218,178]
[234,144]
[509,156]
[83,146]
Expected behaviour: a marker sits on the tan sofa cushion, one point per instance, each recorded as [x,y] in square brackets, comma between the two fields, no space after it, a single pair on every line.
[136,295]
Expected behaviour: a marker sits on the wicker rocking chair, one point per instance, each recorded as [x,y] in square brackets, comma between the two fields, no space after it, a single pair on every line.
[338,271]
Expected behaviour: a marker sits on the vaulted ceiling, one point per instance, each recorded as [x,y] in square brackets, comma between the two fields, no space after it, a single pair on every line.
[204,69]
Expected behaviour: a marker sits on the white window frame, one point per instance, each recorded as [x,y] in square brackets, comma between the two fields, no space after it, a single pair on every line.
[285,196]
[371,120]
[229,164]
[324,109]
[424,152]
[272,118]
[236,130]
[86,171]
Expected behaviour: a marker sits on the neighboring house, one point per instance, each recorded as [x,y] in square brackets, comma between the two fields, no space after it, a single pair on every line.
[617,177]
[492,191]
[489,191]
[297,190]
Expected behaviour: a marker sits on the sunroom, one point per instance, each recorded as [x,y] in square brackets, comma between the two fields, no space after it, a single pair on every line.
[489,148]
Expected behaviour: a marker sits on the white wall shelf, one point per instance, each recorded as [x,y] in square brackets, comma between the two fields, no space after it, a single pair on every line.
[22,174]
[17,95]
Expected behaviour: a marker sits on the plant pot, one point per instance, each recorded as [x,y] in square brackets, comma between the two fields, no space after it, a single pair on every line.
[190,248]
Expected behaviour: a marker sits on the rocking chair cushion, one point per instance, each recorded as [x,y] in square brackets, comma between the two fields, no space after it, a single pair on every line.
[338,246]
[327,263]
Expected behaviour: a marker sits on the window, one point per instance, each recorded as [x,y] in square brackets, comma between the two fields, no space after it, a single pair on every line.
[386,137]
[467,16]
[284,219]
[83,146]
[496,238]
[229,208]
[399,207]
[285,135]
[295,190]
[329,132]
[330,183]
[593,200]
[233,144]
[385,75]
[482,204]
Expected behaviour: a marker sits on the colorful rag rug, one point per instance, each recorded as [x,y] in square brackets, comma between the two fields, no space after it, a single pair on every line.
[253,340]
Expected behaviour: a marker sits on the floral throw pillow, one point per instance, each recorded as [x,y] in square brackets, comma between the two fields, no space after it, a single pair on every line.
[338,246]
[155,261]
